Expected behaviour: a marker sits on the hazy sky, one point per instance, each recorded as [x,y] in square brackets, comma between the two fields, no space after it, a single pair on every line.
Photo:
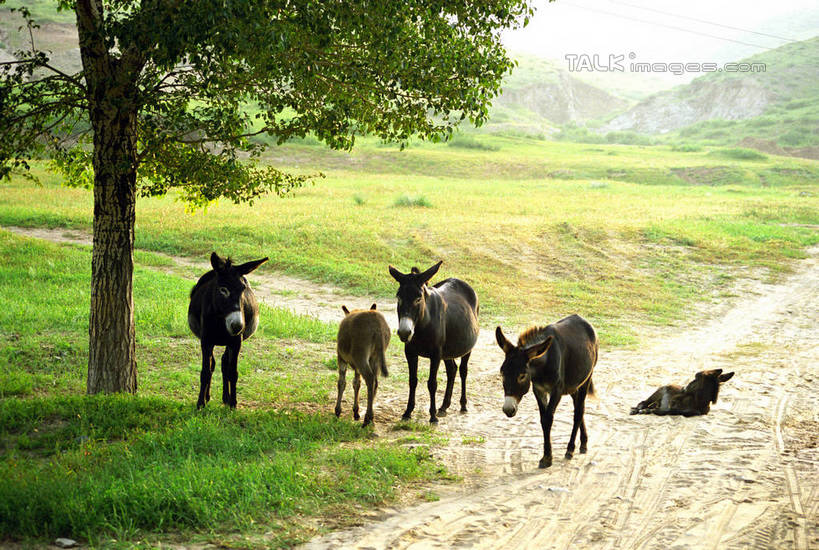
[664,30]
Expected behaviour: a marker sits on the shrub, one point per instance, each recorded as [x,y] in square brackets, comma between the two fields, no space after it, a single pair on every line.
[738,153]
[469,142]
[417,201]
[686,148]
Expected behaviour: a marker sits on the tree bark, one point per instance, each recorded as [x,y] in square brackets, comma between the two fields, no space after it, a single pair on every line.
[112,110]
[112,345]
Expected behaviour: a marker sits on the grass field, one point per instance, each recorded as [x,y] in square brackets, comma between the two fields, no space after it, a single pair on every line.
[148,468]
[624,235]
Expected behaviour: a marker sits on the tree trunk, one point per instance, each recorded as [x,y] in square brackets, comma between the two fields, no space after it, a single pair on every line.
[112,346]
[110,78]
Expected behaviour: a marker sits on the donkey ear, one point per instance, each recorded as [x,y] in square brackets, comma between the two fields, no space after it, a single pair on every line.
[539,349]
[725,377]
[504,344]
[246,268]
[397,275]
[373,306]
[216,262]
[345,310]
[430,273]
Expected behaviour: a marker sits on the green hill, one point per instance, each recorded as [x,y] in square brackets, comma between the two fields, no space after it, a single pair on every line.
[774,105]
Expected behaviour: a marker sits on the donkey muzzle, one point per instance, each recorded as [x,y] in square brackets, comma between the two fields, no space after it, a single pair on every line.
[235,323]
[406,328]
[510,406]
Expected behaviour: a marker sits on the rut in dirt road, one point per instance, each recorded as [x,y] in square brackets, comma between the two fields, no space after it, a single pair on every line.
[745,475]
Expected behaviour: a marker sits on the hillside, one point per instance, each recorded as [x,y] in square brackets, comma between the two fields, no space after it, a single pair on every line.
[539,95]
[778,104]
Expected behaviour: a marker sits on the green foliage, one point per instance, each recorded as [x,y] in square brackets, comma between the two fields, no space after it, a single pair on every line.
[686,148]
[412,201]
[325,72]
[738,153]
[464,141]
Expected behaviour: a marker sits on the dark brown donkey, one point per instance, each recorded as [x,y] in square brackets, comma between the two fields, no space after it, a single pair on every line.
[363,337]
[693,400]
[223,312]
[439,322]
[557,360]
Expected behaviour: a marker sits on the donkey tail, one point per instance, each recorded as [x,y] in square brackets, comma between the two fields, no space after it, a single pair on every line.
[590,390]
[383,358]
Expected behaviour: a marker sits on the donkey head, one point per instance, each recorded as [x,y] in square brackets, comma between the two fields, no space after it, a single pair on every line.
[230,286]
[706,384]
[412,293]
[516,379]
[347,311]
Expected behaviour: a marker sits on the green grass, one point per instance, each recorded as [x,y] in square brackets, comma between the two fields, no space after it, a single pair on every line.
[418,201]
[132,468]
[573,228]
[150,468]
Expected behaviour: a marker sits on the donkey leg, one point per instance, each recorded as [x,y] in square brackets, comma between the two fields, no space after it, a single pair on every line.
[412,364]
[579,398]
[372,387]
[451,370]
[432,386]
[226,376]
[463,371]
[547,415]
[584,438]
[208,364]
[342,383]
[356,387]
[230,371]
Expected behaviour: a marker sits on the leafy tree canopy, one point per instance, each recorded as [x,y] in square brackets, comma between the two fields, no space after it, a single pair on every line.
[191,68]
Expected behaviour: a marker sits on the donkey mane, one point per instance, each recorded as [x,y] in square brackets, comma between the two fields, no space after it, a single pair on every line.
[532,335]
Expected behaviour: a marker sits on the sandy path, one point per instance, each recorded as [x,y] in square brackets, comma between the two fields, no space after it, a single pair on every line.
[746,475]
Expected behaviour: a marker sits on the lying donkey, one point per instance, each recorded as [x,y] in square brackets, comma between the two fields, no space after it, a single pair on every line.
[693,400]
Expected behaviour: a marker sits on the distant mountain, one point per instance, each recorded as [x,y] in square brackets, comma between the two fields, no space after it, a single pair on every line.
[776,102]
[539,95]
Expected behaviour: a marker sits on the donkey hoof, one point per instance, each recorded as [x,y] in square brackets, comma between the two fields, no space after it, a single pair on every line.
[356,416]
[569,455]
[367,423]
[200,405]
[442,412]
[406,416]
[583,449]
[433,420]
[463,409]
[338,412]
[545,462]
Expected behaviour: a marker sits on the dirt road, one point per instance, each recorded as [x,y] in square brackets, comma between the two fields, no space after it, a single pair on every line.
[744,476]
